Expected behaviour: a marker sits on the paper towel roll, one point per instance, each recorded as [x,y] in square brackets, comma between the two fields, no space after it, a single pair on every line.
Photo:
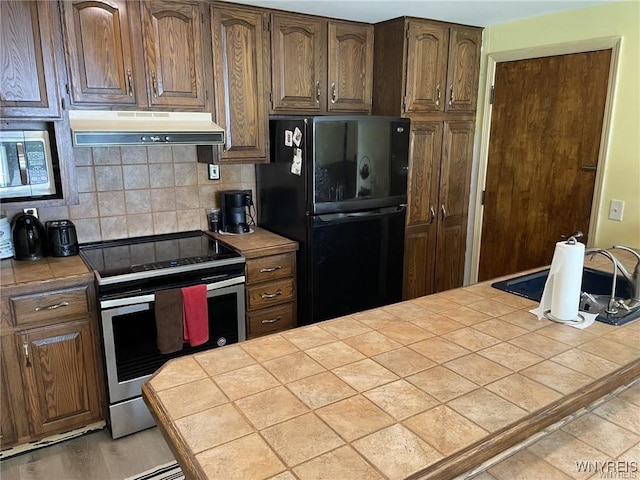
[566,268]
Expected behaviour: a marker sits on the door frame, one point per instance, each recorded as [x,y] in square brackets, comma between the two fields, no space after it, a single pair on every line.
[604,43]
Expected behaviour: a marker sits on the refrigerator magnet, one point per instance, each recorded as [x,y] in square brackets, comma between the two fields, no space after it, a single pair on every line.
[296,166]
[297,136]
[288,138]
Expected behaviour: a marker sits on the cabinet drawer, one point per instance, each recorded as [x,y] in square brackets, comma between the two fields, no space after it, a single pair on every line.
[270,319]
[271,293]
[39,307]
[271,267]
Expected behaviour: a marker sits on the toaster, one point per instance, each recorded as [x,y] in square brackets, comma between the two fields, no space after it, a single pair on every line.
[63,240]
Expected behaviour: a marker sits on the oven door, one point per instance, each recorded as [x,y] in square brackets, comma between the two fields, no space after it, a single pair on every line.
[129,335]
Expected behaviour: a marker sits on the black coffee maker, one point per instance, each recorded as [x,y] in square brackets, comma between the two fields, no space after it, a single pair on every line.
[233,210]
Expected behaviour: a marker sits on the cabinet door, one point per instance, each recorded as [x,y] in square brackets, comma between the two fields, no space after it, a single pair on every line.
[455,175]
[426,67]
[297,63]
[425,149]
[173,46]
[28,86]
[8,431]
[59,375]
[239,78]
[463,69]
[350,67]
[99,52]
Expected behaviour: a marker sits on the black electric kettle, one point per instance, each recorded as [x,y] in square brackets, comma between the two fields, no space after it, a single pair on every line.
[29,237]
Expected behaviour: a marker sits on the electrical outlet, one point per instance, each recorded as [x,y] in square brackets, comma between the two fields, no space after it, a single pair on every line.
[616,209]
[214,172]
[31,211]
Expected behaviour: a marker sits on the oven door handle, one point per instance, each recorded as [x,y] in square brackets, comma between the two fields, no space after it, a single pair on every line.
[149,298]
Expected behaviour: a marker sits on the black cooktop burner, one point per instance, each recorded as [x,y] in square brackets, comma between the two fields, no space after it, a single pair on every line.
[185,251]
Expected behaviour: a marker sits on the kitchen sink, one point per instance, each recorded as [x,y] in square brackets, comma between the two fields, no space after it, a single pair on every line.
[594,282]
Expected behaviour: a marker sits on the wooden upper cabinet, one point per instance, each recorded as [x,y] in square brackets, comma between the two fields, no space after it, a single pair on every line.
[297,65]
[99,52]
[463,69]
[173,53]
[426,67]
[443,65]
[349,66]
[28,85]
[240,61]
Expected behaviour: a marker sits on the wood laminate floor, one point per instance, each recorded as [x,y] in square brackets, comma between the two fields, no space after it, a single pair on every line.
[94,456]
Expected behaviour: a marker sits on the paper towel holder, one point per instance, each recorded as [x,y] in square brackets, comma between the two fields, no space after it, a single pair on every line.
[573,238]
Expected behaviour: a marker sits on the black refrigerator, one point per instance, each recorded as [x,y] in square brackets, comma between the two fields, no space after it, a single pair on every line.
[338,186]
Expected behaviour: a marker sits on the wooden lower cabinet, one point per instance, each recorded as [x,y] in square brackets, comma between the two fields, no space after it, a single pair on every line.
[271,295]
[438,201]
[58,373]
[50,372]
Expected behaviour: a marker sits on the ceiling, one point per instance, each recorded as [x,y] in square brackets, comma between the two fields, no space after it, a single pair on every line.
[481,13]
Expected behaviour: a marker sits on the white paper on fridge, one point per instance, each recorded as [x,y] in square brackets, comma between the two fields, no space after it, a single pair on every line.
[288,138]
[297,136]
[296,166]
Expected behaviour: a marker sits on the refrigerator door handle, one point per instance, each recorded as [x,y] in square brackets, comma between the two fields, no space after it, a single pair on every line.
[365,214]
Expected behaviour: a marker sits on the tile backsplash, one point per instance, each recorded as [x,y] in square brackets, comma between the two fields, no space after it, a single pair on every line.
[132,191]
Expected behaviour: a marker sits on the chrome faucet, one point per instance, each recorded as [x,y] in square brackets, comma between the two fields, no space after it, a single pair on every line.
[611,306]
[632,278]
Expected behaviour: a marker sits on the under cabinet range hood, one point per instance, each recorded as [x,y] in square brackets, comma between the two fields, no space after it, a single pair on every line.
[99,128]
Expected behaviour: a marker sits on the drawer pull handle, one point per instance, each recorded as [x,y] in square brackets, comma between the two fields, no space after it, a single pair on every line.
[25,347]
[272,320]
[270,295]
[52,307]
[271,269]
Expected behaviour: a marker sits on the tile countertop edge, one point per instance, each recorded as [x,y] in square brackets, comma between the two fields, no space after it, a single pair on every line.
[486,448]
[176,443]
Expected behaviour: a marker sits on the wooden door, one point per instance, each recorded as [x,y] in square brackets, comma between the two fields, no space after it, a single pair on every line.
[543,151]
[240,60]
[297,70]
[59,376]
[28,86]
[425,148]
[173,46]
[453,199]
[98,42]
[426,67]
[463,69]
[350,67]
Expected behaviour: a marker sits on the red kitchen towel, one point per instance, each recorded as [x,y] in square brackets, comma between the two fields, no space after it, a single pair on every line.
[169,320]
[196,315]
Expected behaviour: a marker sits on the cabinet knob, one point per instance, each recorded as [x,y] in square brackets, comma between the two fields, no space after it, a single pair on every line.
[129,82]
[432,212]
[52,307]
[333,93]
[154,84]
[270,269]
[444,211]
[270,295]
[438,95]
[25,347]
[451,95]
[317,92]
[271,320]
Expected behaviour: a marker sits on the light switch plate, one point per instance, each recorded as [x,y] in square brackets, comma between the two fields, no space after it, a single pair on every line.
[616,209]
[214,172]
